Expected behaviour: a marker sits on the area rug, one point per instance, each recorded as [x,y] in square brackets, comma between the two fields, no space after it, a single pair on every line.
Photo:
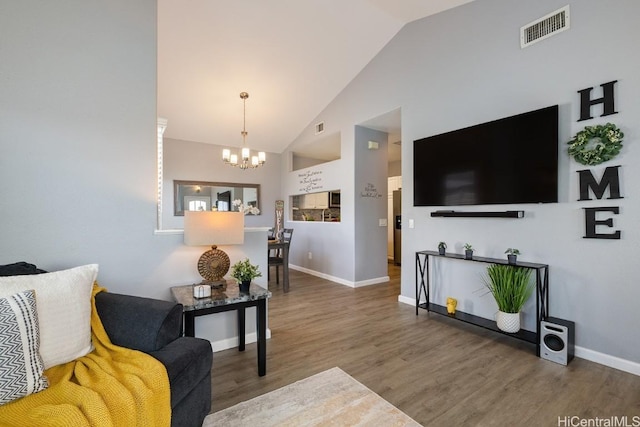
[331,398]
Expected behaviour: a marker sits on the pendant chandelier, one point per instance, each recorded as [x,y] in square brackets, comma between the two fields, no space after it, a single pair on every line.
[246,160]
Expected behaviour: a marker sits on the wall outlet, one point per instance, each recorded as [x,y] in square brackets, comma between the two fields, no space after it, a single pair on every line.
[310,255]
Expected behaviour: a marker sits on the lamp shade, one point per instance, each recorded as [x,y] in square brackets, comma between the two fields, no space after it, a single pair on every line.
[206,228]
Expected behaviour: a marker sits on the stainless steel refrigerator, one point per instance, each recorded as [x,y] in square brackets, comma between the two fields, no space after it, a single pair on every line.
[397,226]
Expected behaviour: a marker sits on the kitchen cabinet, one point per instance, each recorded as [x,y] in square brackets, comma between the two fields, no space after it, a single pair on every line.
[314,201]
[322,200]
[307,201]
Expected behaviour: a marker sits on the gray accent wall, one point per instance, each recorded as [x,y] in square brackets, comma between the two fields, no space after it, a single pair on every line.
[196,161]
[464,67]
[78,149]
[78,137]
[370,205]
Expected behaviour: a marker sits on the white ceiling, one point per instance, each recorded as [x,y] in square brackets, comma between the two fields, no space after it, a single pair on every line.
[293,57]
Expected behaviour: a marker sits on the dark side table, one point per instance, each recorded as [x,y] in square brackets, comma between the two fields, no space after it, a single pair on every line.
[228,299]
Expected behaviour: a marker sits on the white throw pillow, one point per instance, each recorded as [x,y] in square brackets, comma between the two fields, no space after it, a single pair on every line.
[21,368]
[63,300]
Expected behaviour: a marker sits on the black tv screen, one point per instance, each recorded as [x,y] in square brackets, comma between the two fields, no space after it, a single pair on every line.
[506,161]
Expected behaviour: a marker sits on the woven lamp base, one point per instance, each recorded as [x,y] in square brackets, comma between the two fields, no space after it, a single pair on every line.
[213,265]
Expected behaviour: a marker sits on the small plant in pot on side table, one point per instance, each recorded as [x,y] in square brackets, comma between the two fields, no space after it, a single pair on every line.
[244,272]
[512,255]
[468,251]
[442,247]
[511,287]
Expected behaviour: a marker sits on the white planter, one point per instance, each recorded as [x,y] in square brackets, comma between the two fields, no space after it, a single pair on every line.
[508,322]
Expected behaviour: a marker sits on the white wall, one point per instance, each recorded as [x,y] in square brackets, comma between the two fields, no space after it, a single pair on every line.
[465,66]
[78,148]
[395,168]
[330,243]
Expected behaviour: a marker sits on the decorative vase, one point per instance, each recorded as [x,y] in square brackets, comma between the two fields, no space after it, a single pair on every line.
[468,254]
[244,285]
[512,259]
[508,322]
[441,251]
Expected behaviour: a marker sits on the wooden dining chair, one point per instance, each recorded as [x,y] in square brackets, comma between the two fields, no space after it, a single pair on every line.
[276,256]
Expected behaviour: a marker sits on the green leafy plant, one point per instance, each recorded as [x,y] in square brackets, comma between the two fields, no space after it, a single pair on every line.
[468,247]
[510,286]
[512,251]
[244,271]
[442,245]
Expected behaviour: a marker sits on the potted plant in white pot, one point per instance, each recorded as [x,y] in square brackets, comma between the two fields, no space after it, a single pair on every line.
[442,248]
[511,287]
[468,251]
[244,272]
[512,255]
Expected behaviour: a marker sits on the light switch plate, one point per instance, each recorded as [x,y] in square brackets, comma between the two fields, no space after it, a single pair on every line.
[382,222]
[411,223]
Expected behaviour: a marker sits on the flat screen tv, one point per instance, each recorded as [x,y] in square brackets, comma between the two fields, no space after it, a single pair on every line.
[506,161]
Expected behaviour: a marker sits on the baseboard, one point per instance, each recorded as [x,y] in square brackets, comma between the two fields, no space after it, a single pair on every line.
[581,352]
[321,275]
[407,300]
[340,281]
[228,343]
[370,282]
[608,360]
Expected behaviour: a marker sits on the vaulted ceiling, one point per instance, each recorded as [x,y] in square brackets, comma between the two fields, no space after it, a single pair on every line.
[293,57]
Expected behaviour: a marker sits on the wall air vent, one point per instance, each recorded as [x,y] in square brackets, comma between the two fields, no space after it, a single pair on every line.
[319,128]
[547,26]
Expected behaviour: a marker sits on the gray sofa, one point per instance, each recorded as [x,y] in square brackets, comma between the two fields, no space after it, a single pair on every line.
[155,327]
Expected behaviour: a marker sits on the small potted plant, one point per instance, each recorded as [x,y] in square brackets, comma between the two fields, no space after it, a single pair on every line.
[442,247]
[244,272]
[512,255]
[511,287]
[468,251]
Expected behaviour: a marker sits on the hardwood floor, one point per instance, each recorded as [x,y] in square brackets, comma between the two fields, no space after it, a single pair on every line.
[438,371]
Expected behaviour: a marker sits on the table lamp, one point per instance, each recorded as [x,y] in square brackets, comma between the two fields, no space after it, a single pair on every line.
[213,228]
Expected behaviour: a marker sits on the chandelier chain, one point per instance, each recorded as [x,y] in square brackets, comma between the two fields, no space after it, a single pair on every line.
[244,96]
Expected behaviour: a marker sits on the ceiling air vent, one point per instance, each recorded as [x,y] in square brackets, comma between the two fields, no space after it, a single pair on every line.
[319,128]
[547,26]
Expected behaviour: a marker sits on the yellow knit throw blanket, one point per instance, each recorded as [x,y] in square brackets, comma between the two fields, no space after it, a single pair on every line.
[110,387]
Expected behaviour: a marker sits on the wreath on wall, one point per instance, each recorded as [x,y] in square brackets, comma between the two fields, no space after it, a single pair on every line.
[596,144]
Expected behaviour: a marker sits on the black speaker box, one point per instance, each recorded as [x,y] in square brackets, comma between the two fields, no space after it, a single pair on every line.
[557,340]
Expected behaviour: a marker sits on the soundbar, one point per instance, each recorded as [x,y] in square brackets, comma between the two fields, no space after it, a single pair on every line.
[478,214]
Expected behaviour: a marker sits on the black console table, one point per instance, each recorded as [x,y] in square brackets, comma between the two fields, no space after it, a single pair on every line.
[542,294]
